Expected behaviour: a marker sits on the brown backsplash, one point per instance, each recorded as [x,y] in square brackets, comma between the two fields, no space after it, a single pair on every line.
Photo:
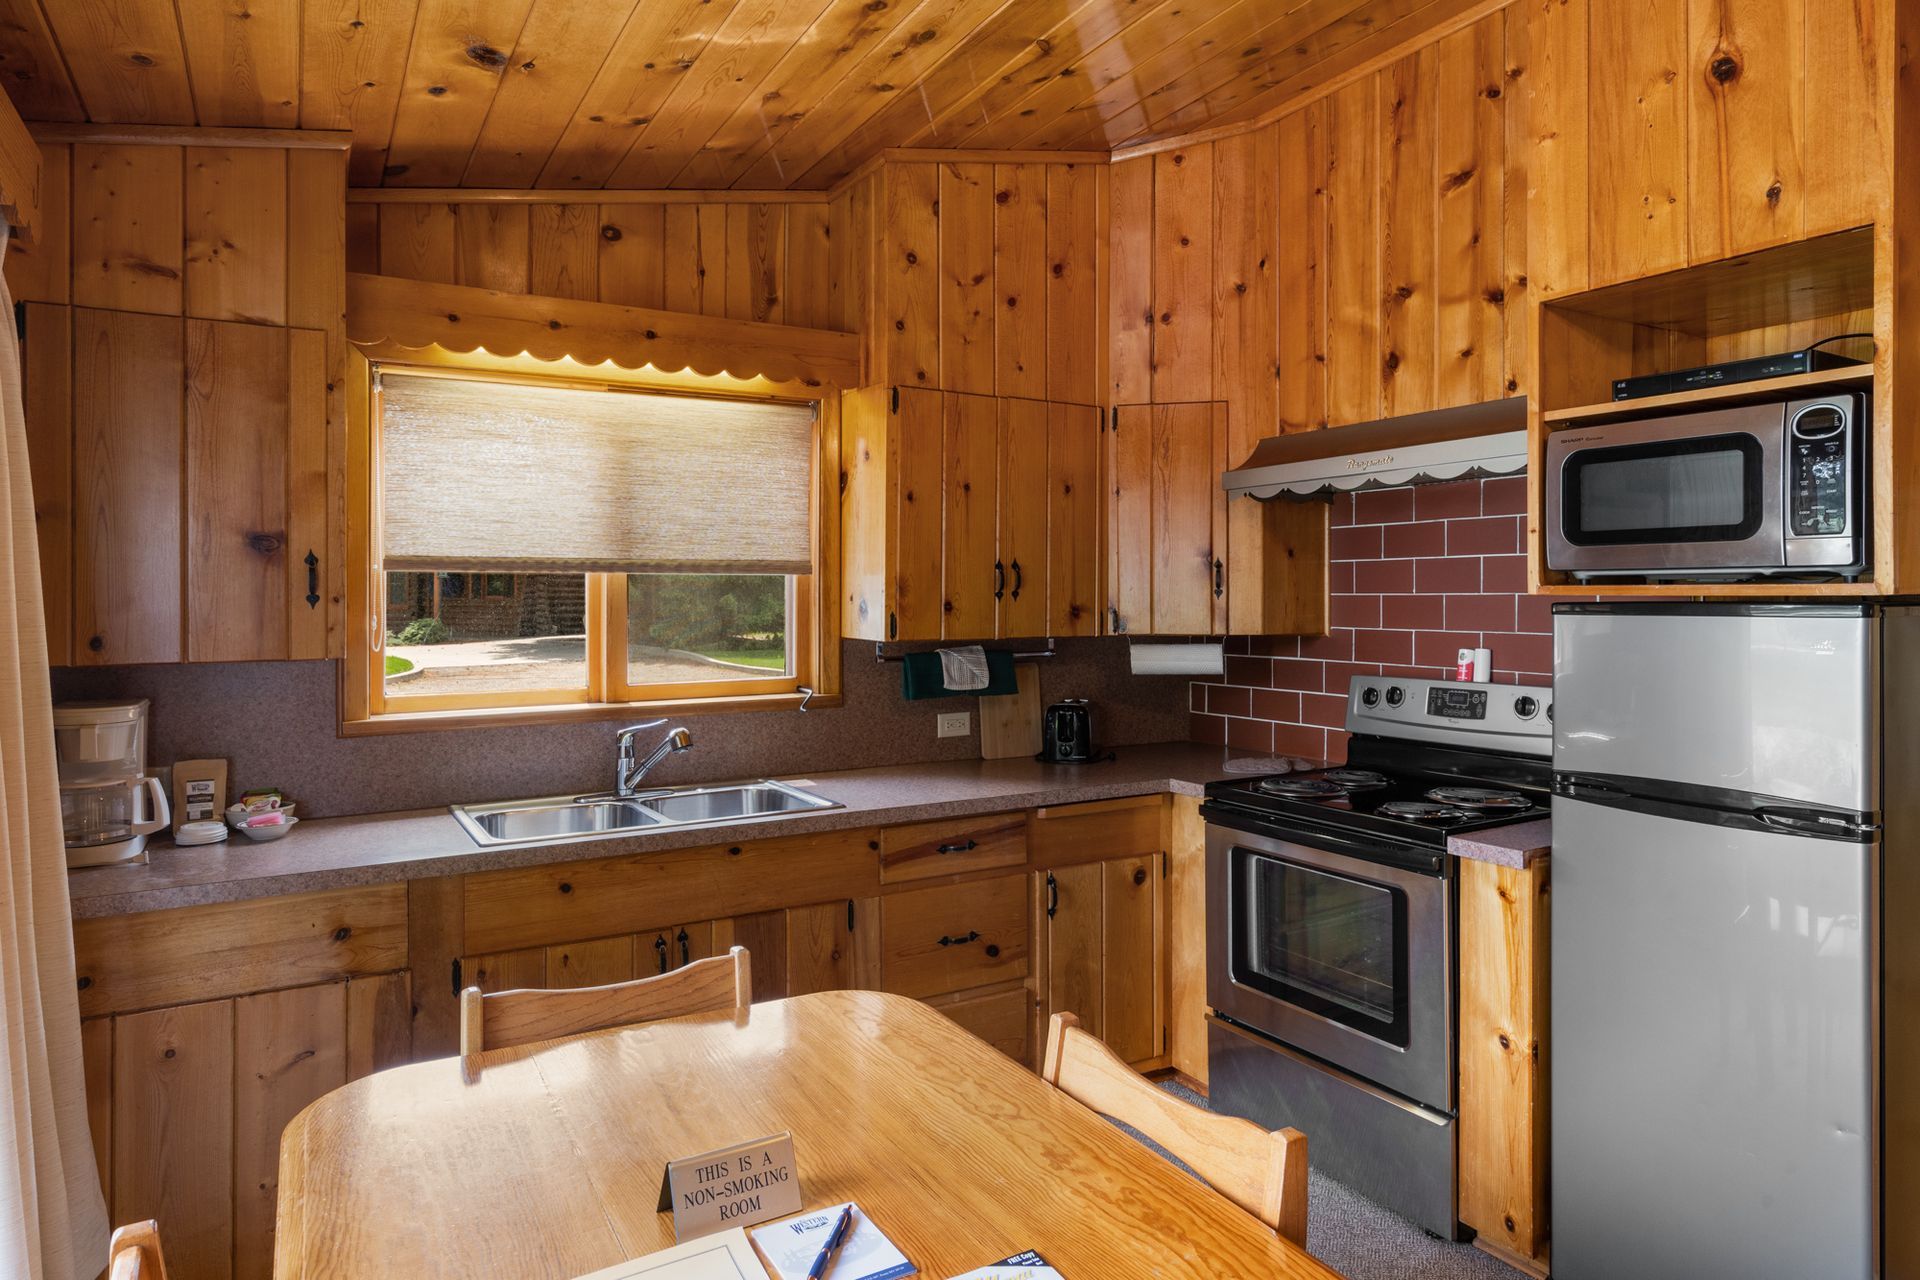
[276,724]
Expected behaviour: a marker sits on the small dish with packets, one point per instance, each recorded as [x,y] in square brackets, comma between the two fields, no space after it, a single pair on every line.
[262,815]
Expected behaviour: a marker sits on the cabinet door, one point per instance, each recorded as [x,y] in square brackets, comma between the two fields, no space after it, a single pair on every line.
[1183,485]
[1104,951]
[237,417]
[590,964]
[1133,953]
[974,576]
[46,377]
[914,538]
[825,951]
[127,457]
[1023,517]
[1001,1018]
[1073,520]
[764,935]
[1130,521]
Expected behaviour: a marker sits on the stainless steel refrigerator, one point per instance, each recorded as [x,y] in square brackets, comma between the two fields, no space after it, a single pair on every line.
[1730,782]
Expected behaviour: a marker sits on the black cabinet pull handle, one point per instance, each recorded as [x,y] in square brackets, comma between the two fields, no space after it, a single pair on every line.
[313,580]
[660,949]
[1219,582]
[999,579]
[1053,895]
[1019,579]
[960,848]
[950,941]
[686,950]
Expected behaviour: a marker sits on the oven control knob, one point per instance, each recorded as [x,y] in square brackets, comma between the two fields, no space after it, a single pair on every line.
[1369,697]
[1395,695]
[1526,707]
[1549,713]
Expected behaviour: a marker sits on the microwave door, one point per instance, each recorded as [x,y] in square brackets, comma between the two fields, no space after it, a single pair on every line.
[1695,495]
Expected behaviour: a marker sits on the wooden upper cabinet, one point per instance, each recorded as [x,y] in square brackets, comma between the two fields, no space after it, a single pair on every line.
[1023,489]
[196,452]
[973,572]
[1168,522]
[1670,135]
[968,517]
[128,458]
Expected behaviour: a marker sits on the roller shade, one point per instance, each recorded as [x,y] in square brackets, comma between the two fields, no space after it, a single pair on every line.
[511,478]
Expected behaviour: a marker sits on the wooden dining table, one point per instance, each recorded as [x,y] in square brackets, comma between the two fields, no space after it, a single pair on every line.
[544,1162]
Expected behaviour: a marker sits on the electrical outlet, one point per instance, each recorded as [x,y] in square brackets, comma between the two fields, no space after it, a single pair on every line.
[955,724]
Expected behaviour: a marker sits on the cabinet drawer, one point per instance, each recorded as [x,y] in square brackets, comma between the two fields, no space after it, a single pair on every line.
[922,850]
[1064,834]
[946,939]
[1002,1018]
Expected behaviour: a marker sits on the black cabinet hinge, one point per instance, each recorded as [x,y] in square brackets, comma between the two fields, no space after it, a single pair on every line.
[849,915]
[457,988]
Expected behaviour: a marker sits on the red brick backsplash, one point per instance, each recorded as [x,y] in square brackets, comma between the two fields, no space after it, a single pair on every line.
[1417,575]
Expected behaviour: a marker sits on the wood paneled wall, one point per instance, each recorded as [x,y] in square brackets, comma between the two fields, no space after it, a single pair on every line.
[763,260]
[1364,255]
[185,350]
[971,276]
[1668,135]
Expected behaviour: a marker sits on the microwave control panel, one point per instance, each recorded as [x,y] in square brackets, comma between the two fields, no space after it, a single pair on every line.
[1818,483]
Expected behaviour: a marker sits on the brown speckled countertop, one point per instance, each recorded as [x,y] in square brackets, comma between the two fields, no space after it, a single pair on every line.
[333,853]
[1520,844]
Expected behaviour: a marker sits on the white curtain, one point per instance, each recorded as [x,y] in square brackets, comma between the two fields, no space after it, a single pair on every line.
[53,1223]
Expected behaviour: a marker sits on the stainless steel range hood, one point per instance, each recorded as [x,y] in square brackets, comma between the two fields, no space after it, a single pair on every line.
[1418,448]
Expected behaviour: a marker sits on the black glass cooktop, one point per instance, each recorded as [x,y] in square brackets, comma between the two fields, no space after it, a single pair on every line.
[1412,795]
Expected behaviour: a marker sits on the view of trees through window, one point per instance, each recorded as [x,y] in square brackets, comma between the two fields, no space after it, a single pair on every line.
[698,627]
[467,633]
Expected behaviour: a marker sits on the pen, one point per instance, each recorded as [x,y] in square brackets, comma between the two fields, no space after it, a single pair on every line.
[832,1246]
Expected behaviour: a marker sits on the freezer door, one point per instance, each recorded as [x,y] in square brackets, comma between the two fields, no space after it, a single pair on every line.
[1711,1065]
[1768,700]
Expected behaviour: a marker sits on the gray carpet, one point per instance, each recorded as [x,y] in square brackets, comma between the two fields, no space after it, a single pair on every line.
[1363,1241]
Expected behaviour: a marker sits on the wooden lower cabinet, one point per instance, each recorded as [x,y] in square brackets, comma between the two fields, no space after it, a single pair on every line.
[1101,952]
[187,1104]
[1503,1059]
[1002,1018]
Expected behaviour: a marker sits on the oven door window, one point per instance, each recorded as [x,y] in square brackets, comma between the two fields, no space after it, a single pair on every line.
[1328,944]
[1702,489]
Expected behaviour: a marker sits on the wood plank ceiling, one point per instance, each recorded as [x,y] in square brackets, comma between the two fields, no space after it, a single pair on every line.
[756,94]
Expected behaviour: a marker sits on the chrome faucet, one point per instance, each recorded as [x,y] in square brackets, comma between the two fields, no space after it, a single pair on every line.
[630,771]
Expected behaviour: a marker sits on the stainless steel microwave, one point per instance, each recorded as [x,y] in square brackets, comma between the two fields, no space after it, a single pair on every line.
[1763,490]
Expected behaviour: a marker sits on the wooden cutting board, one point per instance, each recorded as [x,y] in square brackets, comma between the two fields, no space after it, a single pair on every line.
[1010,723]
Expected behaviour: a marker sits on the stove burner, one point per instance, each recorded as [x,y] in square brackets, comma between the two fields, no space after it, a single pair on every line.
[1479,798]
[1422,811]
[1358,779]
[1305,788]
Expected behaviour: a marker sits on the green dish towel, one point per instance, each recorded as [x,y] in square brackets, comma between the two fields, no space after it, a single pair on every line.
[920,677]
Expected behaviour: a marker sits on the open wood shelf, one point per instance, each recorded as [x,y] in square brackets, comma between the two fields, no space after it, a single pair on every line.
[1713,397]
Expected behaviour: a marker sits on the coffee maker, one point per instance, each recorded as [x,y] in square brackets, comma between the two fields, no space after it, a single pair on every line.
[109,803]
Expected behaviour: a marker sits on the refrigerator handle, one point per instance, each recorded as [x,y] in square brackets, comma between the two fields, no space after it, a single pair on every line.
[1814,822]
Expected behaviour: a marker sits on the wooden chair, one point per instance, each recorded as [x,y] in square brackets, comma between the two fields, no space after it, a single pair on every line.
[134,1253]
[522,1017]
[1264,1173]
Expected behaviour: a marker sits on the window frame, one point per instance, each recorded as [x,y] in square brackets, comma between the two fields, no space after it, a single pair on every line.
[813,614]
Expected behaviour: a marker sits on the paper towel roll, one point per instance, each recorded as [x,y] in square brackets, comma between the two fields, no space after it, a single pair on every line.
[1177,659]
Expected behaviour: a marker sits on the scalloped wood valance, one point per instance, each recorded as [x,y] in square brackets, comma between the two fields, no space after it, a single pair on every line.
[418,314]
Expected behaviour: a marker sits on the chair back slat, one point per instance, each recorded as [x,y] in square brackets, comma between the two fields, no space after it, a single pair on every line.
[505,1018]
[134,1253]
[1264,1173]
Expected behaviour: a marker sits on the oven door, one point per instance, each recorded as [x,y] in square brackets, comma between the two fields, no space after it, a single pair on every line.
[1343,958]
[1698,494]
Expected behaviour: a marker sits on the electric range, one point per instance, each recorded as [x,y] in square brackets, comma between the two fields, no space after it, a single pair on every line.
[1331,905]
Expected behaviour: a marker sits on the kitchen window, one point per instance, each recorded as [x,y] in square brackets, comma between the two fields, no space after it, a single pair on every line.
[579,547]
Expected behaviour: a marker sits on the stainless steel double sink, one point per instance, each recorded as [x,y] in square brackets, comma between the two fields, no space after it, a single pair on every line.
[560,818]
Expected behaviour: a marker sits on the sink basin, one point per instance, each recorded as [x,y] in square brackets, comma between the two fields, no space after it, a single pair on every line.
[711,804]
[561,818]
[547,820]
